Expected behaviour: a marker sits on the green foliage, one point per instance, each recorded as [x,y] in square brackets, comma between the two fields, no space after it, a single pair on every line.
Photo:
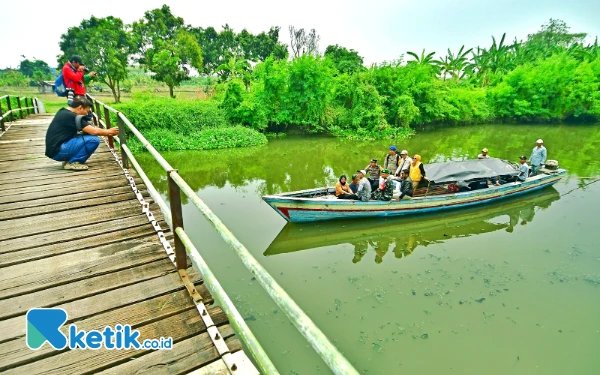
[13,78]
[552,89]
[166,47]
[344,60]
[105,47]
[202,139]
[163,114]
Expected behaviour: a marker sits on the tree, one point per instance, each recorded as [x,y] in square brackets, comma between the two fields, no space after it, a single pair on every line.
[345,61]
[166,48]
[234,68]
[554,34]
[105,45]
[303,43]
[455,64]
[35,68]
[423,59]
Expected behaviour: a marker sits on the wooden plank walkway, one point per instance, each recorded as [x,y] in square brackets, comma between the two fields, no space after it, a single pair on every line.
[79,241]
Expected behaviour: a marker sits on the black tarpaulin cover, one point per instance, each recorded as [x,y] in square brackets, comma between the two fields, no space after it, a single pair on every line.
[465,170]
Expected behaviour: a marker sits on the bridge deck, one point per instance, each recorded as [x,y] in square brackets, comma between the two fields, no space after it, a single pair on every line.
[79,241]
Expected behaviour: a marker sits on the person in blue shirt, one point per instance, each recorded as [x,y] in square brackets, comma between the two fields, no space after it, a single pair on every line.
[354,184]
[538,157]
[523,169]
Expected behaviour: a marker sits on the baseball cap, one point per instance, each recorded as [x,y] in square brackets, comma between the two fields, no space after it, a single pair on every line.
[362,171]
[76,59]
[523,157]
[404,152]
[392,148]
[385,170]
[484,150]
[539,141]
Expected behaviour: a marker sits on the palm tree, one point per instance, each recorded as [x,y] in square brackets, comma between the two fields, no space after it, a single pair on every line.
[444,66]
[234,68]
[455,65]
[423,59]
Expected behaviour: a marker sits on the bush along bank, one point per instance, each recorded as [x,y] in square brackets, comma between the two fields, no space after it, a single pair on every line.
[171,125]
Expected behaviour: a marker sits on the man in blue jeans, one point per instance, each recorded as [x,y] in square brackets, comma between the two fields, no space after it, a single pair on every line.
[71,138]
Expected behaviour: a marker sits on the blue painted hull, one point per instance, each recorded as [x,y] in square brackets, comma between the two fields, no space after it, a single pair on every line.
[299,207]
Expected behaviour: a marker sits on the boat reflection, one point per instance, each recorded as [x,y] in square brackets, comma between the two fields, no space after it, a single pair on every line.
[403,235]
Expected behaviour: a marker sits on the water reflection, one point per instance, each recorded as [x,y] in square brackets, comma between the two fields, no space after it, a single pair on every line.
[402,236]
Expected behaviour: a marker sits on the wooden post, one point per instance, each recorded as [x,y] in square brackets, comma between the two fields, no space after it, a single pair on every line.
[107,122]
[20,108]
[34,103]
[122,141]
[98,113]
[2,121]
[177,221]
[27,105]
[12,116]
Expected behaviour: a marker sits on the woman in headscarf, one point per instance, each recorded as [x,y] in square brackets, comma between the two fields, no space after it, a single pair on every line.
[342,189]
[417,171]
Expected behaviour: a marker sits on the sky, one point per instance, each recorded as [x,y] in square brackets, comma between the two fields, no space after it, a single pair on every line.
[380,30]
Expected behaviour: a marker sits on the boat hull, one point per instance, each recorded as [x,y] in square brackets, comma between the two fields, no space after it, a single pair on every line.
[298,209]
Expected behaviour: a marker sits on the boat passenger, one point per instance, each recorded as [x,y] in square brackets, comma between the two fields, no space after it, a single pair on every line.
[523,169]
[417,171]
[354,184]
[404,162]
[484,154]
[392,160]
[406,186]
[538,157]
[385,192]
[374,171]
[364,187]
[342,189]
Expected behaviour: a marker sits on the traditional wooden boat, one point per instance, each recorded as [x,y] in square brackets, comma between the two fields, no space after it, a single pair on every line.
[440,195]
[424,230]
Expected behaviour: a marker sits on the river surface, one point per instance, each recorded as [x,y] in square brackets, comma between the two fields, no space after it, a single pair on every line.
[507,288]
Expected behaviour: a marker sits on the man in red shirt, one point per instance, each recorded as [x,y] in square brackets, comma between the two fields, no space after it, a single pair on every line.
[73,72]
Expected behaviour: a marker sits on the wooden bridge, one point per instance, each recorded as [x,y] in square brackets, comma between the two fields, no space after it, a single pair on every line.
[80,241]
[103,246]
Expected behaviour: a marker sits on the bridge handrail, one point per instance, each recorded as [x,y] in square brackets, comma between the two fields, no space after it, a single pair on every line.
[9,115]
[321,344]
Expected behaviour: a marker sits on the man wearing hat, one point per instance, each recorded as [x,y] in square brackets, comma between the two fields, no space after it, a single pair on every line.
[373,170]
[404,162]
[364,187]
[74,75]
[385,191]
[391,160]
[538,157]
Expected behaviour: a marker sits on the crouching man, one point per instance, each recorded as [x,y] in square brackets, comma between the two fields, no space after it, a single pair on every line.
[71,138]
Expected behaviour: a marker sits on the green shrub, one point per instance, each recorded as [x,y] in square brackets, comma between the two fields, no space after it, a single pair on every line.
[179,116]
[204,139]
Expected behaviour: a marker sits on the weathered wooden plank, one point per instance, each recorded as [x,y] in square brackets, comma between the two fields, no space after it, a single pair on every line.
[137,315]
[62,189]
[185,356]
[61,269]
[69,219]
[72,177]
[57,204]
[88,287]
[85,307]
[28,176]
[179,327]
[30,155]
[76,238]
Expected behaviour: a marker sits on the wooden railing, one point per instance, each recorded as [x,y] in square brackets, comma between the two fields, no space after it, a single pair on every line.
[24,106]
[173,216]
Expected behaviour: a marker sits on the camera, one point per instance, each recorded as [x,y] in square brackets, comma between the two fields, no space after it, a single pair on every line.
[86,69]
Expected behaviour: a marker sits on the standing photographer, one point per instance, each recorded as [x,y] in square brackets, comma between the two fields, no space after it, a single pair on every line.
[75,78]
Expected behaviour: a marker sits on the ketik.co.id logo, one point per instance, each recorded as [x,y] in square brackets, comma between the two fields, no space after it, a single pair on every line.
[43,325]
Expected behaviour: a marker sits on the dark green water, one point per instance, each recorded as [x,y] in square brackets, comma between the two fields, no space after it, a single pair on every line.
[509,288]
